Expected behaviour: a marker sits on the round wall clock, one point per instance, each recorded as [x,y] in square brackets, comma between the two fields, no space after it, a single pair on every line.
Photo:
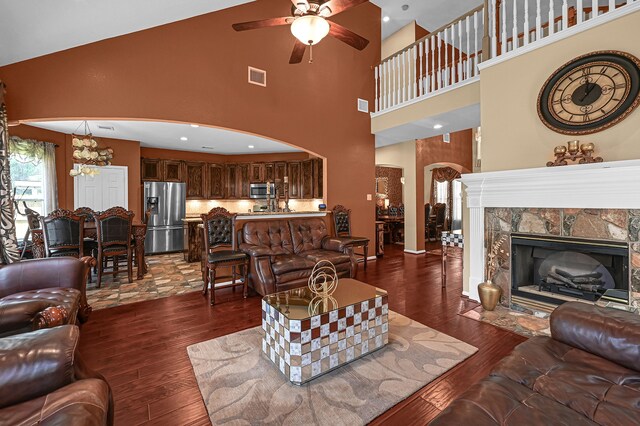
[590,93]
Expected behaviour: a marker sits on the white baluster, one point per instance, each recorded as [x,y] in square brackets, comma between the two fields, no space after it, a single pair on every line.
[453,54]
[514,32]
[460,68]
[468,64]
[505,46]
[438,69]
[414,71]
[579,11]
[383,86]
[594,8]
[612,5]
[434,71]
[475,43]
[399,67]
[565,15]
[421,52]
[445,81]
[527,30]
[538,21]
[492,21]
[552,18]
[376,99]
[387,75]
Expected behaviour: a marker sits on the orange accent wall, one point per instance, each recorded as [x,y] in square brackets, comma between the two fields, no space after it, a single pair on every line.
[125,153]
[195,71]
[170,154]
[458,154]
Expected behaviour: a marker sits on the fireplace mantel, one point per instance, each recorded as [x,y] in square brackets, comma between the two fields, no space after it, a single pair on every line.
[609,185]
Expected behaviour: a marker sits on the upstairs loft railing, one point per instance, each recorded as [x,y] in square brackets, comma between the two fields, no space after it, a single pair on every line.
[445,57]
[449,56]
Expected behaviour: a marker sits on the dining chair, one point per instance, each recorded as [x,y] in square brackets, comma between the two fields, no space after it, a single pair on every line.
[437,222]
[342,222]
[113,227]
[90,243]
[63,233]
[220,250]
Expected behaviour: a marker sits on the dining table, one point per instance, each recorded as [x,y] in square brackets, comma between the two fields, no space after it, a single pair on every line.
[396,226]
[138,229]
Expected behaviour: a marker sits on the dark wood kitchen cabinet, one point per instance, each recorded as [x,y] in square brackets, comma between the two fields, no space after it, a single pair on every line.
[231,181]
[279,172]
[195,180]
[306,179]
[173,170]
[294,179]
[243,180]
[215,186]
[318,175]
[151,169]
[256,173]
[269,172]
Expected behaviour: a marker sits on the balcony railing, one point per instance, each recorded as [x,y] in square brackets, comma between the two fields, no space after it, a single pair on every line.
[449,56]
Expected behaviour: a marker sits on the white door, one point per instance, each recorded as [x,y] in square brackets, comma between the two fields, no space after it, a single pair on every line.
[107,189]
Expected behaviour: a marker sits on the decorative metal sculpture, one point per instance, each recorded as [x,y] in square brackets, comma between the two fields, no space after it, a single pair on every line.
[323,282]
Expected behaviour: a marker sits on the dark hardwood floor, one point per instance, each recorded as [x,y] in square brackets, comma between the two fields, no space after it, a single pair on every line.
[141,348]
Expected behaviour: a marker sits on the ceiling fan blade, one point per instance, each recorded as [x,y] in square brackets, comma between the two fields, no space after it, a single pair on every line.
[347,36]
[298,52]
[333,7]
[252,25]
[301,5]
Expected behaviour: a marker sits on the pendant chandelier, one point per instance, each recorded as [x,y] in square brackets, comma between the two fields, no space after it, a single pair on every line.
[87,153]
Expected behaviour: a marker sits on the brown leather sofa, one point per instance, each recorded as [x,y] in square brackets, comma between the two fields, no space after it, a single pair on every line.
[587,373]
[43,381]
[283,252]
[54,281]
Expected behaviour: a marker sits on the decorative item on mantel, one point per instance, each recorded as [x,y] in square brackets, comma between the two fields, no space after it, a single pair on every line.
[489,291]
[322,282]
[574,152]
[86,153]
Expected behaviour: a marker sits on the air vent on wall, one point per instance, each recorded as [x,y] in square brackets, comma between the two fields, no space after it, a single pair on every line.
[363,105]
[110,128]
[446,138]
[257,76]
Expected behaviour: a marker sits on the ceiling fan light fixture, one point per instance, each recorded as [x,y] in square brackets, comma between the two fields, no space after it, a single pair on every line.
[310,29]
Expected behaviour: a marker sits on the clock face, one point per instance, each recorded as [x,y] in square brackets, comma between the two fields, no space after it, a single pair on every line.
[590,93]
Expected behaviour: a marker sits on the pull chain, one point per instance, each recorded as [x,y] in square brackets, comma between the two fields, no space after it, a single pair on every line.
[310,52]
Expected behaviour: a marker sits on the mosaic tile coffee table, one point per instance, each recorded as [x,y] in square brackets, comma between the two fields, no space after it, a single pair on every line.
[307,336]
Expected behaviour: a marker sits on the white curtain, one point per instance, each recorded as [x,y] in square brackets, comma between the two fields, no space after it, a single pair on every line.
[50,180]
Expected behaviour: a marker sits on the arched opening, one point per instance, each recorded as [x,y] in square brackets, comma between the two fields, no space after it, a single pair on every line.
[390,196]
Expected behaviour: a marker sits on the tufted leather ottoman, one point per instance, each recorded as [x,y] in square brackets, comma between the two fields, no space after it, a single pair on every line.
[68,298]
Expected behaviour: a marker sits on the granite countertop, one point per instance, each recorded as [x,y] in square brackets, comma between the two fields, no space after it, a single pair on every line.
[192,218]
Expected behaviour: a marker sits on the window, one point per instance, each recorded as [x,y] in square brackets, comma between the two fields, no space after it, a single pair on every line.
[456,211]
[27,182]
[442,192]
[33,179]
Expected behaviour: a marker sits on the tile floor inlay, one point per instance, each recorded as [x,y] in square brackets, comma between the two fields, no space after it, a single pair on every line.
[167,275]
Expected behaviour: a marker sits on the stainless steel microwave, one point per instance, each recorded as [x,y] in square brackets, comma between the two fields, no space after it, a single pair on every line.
[259,190]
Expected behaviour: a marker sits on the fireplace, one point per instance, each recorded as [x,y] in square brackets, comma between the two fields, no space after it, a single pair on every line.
[556,269]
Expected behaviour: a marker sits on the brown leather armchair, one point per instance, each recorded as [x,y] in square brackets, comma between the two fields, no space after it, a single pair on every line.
[586,373]
[283,252]
[43,381]
[59,281]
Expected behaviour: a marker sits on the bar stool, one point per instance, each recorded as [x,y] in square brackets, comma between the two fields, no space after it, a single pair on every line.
[219,250]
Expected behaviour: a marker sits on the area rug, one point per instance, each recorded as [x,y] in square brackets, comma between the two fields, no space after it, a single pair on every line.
[524,324]
[239,385]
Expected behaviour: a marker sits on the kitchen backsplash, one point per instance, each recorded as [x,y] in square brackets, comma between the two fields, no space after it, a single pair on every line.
[196,207]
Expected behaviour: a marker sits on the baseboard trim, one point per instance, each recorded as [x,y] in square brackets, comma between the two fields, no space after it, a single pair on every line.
[414,251]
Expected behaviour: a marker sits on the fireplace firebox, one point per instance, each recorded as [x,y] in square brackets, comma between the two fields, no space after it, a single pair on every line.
[555,270]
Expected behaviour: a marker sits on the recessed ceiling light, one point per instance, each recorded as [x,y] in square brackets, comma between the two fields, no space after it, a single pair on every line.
[385,19]
[251,147]
[184,138]
[438,126]
[195,125]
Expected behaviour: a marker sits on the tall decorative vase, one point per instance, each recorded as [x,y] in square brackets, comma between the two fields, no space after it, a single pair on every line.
[489,294]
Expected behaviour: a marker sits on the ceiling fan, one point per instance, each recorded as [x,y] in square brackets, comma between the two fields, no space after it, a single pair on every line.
[309,25]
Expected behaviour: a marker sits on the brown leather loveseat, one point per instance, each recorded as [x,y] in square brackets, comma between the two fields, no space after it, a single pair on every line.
[283,252]
[587,373]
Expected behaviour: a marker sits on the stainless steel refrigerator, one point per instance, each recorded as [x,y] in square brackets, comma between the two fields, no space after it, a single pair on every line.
[167,201]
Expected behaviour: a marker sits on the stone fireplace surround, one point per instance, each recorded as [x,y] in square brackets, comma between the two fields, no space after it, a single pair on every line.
[592,201]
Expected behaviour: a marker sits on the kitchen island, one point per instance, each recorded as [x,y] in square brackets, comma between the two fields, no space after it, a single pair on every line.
[193,229]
